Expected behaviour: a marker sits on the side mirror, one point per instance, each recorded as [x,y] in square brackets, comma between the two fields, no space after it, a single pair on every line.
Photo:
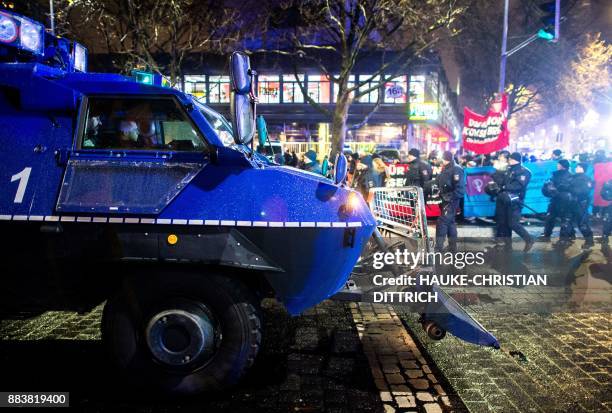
[243,98]
[340,168]
[240,73]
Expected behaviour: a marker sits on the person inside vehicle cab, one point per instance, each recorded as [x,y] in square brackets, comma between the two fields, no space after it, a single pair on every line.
[127,136]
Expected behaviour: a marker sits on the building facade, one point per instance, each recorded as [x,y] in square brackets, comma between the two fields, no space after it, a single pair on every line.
[418,108]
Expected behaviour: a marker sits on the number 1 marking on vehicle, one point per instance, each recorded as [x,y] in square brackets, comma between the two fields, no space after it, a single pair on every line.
[23,178]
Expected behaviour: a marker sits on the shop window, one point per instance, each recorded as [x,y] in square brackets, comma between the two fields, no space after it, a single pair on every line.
[319,88]
[196,86]
[351,83]
[417,89]
[372,95]
[431,87]
[291,89]
[395,90]
[268,88]
[218,89]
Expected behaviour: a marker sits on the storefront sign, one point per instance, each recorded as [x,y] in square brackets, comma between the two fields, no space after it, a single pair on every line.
[488,133]
[395,92]
[423,111]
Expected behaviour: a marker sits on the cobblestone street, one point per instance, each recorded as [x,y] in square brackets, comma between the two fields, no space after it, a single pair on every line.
[315,362]
[555,363]
[344,357]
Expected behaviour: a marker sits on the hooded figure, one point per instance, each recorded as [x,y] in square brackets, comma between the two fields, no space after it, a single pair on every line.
[311,164]
[419,172]
[362,179]
[325,166]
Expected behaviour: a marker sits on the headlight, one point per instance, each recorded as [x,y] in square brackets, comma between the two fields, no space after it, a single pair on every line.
[353,202]
[31,36]
[8,29]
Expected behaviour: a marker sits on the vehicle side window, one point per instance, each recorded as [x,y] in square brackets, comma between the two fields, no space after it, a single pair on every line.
[220,125]
[140,124]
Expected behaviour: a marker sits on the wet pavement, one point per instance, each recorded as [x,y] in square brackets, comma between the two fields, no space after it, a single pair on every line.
[306,364]
[547,363]
[346,357]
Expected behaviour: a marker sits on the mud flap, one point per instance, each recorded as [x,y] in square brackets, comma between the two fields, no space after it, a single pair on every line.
[450,316]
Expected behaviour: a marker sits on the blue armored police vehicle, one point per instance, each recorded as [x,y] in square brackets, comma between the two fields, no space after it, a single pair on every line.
[140,196]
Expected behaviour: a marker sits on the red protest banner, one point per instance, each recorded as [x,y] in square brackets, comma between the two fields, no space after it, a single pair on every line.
[602,172]
[488,133]
[397,172]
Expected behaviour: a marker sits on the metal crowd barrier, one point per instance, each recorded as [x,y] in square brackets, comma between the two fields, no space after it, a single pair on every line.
[400,212]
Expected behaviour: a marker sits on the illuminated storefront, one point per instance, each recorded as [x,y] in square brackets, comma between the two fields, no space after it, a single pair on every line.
[415,110]
[433,118]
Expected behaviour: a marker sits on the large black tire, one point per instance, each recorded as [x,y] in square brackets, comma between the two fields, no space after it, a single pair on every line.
[233,308]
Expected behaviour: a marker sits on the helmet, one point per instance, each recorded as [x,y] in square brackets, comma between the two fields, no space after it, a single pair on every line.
[492,188]
[549,190]
[606,191]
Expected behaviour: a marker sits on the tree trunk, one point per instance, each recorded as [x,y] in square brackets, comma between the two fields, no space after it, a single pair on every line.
[339,120]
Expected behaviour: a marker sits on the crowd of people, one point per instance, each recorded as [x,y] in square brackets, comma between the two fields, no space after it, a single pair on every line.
[570,193]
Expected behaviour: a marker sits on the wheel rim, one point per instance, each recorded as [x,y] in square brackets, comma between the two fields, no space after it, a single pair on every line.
[182,335]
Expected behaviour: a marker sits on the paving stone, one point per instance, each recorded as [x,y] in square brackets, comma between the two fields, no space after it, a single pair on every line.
[381,384]
[439,390]
[394,378]
[419,384]
[390,368]
[405,402]
[409,364]
[401,390]
[413,374]
[432,408]
[389,408]
[424,396]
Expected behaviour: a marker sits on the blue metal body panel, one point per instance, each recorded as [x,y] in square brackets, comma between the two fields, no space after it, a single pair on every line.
[299,220]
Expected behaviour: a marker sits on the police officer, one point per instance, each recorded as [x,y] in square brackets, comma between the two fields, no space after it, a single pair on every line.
[498,180]
[512,195]
[451,184]
[580,188]
[557,155]
[419,172]
[606,194]
[557,190]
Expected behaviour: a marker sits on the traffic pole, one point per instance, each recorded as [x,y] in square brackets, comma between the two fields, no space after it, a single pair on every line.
[504,56]
[52,17]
